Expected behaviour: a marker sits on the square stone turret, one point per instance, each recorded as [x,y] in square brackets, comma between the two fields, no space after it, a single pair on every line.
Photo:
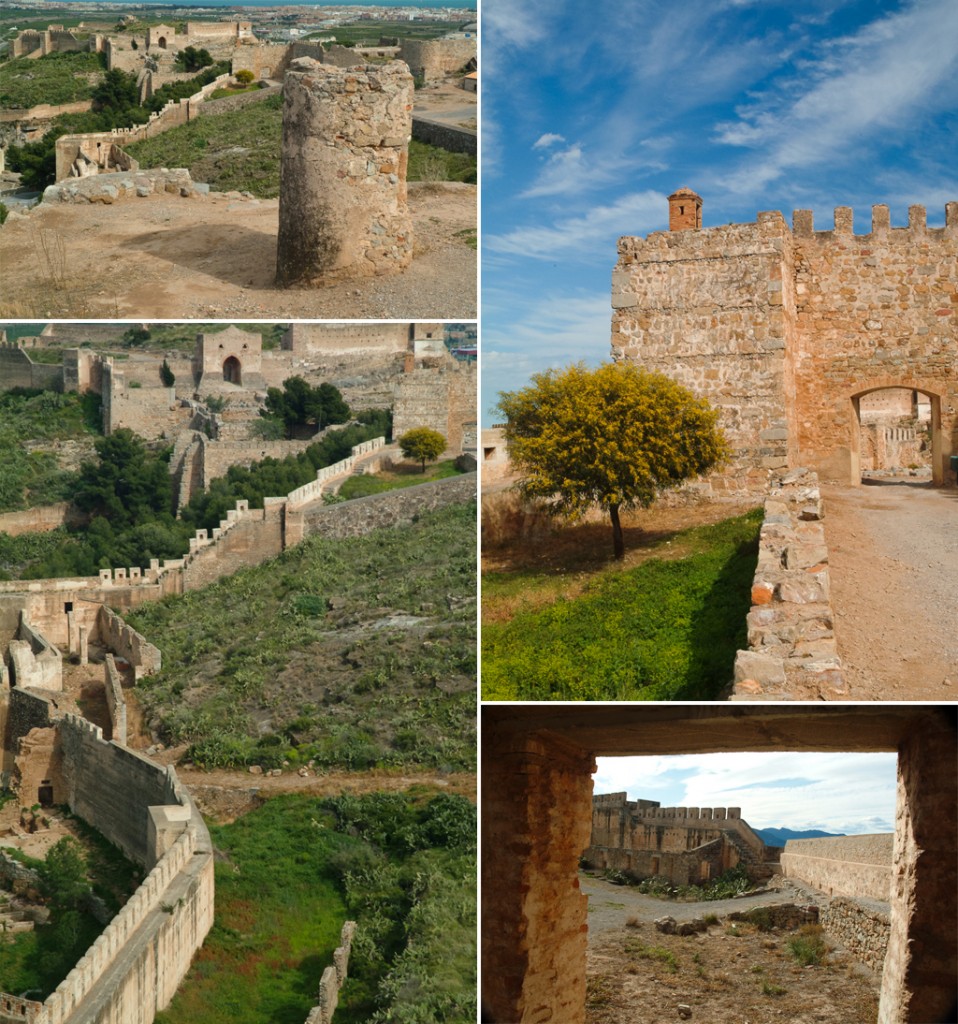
[685,210]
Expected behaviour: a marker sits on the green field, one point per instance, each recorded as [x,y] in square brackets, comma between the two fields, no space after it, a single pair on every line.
[239,151]
[353,654]
[54,79]
[403,476]
[403,866]
[667,629]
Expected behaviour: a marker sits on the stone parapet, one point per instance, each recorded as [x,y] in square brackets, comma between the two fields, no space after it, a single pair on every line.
[858,866]
[792,653]
[333,978]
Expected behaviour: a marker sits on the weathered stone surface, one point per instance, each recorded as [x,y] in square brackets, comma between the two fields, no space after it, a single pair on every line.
[342,203]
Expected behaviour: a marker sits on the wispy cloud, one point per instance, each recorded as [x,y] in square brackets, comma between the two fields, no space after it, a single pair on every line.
[548,139]
[852,88]
[588,233]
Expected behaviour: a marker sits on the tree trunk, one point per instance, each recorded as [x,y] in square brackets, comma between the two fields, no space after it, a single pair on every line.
[618,542]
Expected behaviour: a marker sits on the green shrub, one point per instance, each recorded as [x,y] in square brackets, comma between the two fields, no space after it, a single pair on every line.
[808,947]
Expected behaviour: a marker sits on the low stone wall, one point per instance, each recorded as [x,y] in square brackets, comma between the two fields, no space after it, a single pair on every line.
[843,865]
[118,186]
[227,104]
[792,654]
[333,978]
[115,701]
[35,661]
[862,928]
[127,643]
[446,136]
[393,508]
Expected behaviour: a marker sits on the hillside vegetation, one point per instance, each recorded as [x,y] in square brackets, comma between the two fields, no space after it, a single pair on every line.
[667,629]
[239,151]
[403,866]
[31,424]
[351,654]
[56,78]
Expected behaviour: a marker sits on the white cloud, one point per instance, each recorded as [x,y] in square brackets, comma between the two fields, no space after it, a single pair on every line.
[858,86]
[549,139]
[590,232]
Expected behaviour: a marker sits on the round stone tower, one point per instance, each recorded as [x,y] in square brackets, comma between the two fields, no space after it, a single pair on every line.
[342,200]
[685,210]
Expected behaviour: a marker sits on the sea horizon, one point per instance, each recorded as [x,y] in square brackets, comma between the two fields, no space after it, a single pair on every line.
[458,4]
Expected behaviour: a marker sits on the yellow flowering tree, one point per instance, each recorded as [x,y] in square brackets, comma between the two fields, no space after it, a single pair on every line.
[613,437]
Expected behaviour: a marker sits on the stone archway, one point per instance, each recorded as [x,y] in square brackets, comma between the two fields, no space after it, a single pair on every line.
[938,445]
[161,42]
[233,371]
[536,821]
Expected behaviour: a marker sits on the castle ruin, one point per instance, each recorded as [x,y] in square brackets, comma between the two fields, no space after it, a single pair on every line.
[788,331]
[684,845]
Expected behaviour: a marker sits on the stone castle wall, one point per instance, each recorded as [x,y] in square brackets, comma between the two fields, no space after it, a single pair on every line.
[135,966]
[856,866]
[36,520]
[444,401]
[18,370]
[784,330]
[333,978]
[430,59]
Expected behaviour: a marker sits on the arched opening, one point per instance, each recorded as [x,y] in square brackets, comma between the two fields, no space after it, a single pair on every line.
[45,794]
[161,42]
[896,433]
[232,371]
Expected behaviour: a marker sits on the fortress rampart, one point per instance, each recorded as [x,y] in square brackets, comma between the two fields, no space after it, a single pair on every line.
[135,966]
[785,330]
[856,866]
[430,59]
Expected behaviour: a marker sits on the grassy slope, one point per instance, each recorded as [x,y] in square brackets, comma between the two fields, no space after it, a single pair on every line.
[406,475]
[289,875]
[56,78]
[666,630]
[351,653]
[239,151]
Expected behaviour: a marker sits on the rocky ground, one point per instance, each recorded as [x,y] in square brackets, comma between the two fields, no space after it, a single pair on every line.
[729,974]
[162,256]
[893,556]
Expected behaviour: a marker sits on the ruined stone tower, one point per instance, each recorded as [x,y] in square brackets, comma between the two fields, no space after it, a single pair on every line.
[342,202]
[685,210]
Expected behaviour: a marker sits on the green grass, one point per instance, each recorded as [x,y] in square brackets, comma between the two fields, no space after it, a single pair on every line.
[408,476]
[808,947]
[657,953]
[56,78]
[354,654]
[290,873]
[239,151]
[665,630]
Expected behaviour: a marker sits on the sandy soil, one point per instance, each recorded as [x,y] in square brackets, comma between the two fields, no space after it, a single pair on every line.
[162,256]
[893,553]
[743,978]
[448,103]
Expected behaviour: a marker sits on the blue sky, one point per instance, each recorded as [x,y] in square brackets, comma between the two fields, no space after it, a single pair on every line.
[593,113]
[848,793]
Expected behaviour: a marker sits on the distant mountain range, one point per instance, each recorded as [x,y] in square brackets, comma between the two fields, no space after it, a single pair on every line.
[779,836]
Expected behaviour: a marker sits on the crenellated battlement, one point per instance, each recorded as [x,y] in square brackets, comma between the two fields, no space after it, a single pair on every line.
[803,223]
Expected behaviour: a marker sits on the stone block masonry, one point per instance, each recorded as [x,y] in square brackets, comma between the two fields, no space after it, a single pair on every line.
[342,203]
[858,866]
[785,331]
[792,653]
[333,978]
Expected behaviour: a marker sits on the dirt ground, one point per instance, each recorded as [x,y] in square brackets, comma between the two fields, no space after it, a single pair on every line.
[162,256]
[722,976]
[448,103]
[893,555]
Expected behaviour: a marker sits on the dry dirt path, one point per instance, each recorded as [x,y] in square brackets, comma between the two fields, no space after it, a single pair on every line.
[215,256]
[637,975]
[893,554]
